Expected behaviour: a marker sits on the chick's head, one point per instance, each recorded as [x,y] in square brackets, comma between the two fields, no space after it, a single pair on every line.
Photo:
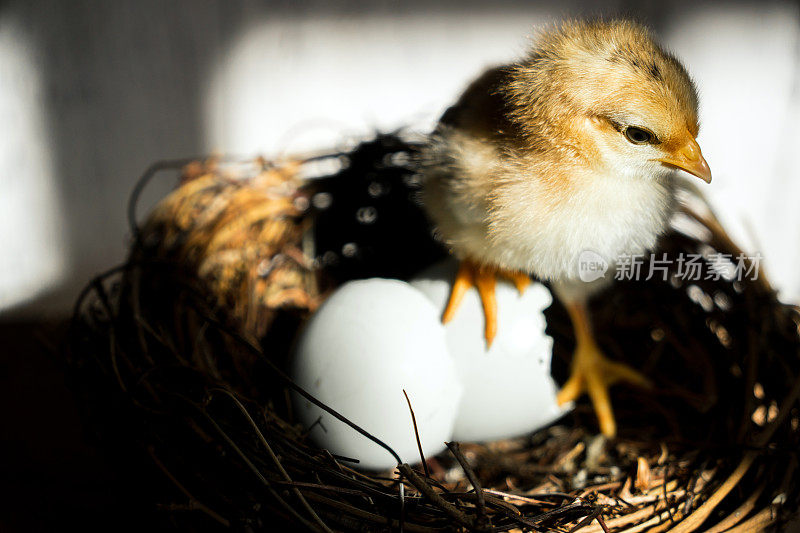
[607,93]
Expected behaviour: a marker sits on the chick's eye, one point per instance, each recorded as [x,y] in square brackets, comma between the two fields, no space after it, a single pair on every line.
[638,135]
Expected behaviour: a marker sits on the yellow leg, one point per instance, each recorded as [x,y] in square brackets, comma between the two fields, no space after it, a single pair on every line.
[483,278]
[593,373]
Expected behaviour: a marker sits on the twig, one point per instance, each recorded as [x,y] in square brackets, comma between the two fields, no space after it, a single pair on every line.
[602,523]
[366,515]
[586,520]
[626,519]
[416,435]
[275,460]
[696,519]
[420,484]
[736,516]
[759,522]
[257,472]
[480,503]
[522,499]
[193,502]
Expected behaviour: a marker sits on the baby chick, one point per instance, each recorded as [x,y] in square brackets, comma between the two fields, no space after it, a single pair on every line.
[574,148]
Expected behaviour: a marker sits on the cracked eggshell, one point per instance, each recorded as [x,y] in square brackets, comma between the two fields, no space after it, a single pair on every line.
[508,390]
[367,342]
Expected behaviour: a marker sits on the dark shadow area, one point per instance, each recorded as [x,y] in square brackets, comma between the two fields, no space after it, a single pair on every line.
[54,478]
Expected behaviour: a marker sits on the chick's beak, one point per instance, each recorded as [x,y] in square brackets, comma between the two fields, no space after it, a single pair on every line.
[689,158]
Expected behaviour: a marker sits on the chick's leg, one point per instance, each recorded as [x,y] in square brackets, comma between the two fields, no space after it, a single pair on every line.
[483,278]
[593,373]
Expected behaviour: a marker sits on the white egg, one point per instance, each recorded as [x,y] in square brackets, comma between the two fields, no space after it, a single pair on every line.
[367,343]
[508,390]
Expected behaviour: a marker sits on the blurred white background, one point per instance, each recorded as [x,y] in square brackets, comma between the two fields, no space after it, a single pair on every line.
[92,92]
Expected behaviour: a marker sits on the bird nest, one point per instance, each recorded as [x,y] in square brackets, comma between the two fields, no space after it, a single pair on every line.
[179,356]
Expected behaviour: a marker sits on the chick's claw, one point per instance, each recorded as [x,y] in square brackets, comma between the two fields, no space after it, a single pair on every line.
[593,374]
[484,279]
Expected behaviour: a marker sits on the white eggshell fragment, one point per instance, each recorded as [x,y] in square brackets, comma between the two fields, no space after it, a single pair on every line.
[508,390]
[367,343]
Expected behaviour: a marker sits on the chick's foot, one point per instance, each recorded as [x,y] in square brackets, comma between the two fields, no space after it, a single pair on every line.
[593,373]
[483,278]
